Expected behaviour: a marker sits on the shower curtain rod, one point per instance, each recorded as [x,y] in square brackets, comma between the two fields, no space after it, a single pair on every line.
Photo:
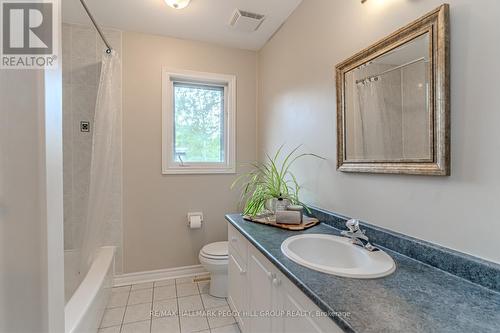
[108,50]
[390,70]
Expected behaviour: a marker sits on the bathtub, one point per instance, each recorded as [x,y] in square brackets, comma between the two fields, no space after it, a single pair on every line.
[85,306]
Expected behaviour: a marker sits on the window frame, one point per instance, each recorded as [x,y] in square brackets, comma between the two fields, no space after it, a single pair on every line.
[169,164]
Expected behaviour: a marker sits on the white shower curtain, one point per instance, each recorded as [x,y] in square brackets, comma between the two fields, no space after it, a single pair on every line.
[371,110]
[380,115]
[104,199]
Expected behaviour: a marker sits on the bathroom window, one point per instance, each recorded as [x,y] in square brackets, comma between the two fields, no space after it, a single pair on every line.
[198,122]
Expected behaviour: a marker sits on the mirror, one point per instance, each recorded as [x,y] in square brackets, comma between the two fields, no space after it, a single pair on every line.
[393,102]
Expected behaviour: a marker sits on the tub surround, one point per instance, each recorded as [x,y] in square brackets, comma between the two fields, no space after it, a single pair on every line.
[417,297]
[82,51]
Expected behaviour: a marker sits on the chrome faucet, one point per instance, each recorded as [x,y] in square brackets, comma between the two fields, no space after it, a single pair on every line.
[357,235]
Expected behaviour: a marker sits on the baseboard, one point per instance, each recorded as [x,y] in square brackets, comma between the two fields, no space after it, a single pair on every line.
[160,274]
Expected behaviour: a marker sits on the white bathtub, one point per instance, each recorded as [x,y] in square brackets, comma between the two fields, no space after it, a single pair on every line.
[85,307]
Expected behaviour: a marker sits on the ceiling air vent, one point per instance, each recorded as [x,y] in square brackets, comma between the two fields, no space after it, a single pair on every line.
[246,21]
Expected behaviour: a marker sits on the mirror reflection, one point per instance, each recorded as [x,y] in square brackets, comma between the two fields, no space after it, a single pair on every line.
[388,106]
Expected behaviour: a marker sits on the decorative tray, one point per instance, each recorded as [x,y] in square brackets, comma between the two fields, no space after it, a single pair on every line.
[307,222]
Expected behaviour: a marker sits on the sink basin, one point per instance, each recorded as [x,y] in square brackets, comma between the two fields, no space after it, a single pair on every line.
[337,256]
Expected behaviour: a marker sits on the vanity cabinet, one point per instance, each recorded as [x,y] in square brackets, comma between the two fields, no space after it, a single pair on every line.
[237,290]
[267,300]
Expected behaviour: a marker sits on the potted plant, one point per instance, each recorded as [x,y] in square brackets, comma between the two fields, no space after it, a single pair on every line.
[269,182]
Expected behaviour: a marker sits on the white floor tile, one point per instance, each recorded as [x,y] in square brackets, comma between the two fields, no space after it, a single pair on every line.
[187,289]
[140,296]
[227,329]
[190,303]
[118,299]
[163,283]
[137,327]
[165,308]
[112,317]
[212,302]
[219,317]
[161,293]
[168,310]
[165,325]
[138,312]
[204,287]
[145,285]
[193,323]
[112,329]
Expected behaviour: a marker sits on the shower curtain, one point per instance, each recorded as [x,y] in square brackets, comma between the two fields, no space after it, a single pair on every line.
[380,116]
[106,163]
[371,119]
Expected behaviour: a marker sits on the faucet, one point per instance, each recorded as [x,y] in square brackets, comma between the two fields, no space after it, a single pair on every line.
[357,235]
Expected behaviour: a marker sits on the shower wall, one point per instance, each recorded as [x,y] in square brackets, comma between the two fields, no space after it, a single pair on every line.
[81,59]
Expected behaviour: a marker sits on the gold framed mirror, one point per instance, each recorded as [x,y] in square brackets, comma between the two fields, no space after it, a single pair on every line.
[393,102]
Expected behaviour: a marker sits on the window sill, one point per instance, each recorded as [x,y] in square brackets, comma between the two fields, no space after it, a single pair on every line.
[198,171]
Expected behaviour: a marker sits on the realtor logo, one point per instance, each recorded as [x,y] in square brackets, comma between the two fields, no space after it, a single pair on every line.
[28,33]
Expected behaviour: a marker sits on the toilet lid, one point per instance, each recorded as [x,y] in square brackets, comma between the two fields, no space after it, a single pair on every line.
[217,249]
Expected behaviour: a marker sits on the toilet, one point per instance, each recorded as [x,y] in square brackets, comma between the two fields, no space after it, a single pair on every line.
[214,257]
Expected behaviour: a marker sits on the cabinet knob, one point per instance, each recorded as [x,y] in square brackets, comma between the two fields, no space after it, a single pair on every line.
[276,282]
[234,239]
[270,275]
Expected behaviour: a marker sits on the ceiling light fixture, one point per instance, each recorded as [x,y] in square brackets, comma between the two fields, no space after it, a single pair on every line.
[177,4]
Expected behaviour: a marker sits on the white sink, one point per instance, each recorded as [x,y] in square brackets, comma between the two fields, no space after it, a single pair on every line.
[338,256]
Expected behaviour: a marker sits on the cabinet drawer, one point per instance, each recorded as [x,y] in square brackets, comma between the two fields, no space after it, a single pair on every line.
[238,242]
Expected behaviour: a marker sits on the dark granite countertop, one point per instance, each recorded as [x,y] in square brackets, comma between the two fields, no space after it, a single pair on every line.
[415,298]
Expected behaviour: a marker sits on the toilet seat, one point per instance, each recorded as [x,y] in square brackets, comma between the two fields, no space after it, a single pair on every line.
[215,251]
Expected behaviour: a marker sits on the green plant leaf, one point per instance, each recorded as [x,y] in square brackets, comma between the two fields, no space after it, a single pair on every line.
[270,179]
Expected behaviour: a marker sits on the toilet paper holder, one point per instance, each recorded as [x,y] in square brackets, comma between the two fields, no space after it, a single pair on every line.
[194,216]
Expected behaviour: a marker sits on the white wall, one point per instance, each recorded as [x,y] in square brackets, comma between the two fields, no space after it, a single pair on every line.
[297,105]
[31,241]
[155,206]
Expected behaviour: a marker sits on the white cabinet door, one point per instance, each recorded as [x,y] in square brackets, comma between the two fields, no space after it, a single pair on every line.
[261,294]
[301,314]
[258,288]
[237,289]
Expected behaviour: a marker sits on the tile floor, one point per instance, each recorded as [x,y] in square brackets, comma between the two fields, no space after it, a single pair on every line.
[167,306]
